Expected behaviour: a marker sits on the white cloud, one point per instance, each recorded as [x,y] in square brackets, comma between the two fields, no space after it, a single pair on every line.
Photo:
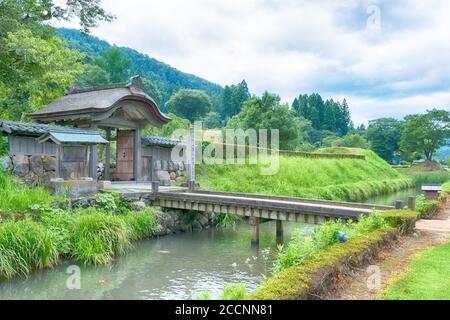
[293,46]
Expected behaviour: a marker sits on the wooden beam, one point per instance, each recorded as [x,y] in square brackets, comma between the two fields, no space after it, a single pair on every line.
[108,155]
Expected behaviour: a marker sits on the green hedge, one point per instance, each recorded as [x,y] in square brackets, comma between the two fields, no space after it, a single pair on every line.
[315,276]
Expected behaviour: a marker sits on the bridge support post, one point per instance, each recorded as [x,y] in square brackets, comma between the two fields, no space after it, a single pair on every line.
[279,232]
[412,203]
[254,222]
[155,187]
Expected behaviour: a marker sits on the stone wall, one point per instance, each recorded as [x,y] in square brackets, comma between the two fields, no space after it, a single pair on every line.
[31,169]
[169,172]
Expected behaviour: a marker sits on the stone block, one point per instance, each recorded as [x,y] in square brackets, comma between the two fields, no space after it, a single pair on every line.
[162,175]
[36,165]
[6,164]
[21,165]
[173,175]
[49,163]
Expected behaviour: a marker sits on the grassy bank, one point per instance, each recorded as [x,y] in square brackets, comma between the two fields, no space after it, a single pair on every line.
[427,277]
[328,178]
[310,267]
[34,235]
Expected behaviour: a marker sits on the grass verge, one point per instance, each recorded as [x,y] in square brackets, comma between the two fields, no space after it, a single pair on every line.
[427,277]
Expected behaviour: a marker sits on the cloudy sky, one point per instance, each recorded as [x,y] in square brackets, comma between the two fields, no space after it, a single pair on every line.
[388,58]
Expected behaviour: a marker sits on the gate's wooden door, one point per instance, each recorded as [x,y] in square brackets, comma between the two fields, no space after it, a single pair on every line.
[147,168]
[125,155]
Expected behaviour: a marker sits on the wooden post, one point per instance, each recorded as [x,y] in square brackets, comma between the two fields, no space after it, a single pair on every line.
[254,221]
[137,155]
[398,204]
[155,187]
[279,232]
[108,156]
[412,203]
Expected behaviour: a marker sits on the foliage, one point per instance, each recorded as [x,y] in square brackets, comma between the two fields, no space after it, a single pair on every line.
[115,63]
[329,115]
[427,208]
[234,292]
[421,176]
[424,134]
[296,282]
[141,224]
[167,79]
[347,141]
[190,104]
[232,99]
[224,220]
[266,112]
[212,120]
[151,88]
[106,201]
[302,247]
[97,237]
[92,76]
[168,129]
[17,198]
[25,246]
[426,277]
[43,69]
[384,136]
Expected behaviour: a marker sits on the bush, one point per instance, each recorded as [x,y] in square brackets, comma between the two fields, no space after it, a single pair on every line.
[141,224]
[427,208]
[403,220]
[24,246]
[97,237]
[224,220]
[106,201]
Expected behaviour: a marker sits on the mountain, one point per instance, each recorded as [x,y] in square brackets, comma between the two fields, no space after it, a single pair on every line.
[168,79]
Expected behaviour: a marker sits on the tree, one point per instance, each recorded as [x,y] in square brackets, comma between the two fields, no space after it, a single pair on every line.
[384,135]
[152,90]
[113,61]
[46,70]
[212,120]
[189,104]
[93,76]
[168,129]
[344,119]
[266,112]
[232,99]
[425,133]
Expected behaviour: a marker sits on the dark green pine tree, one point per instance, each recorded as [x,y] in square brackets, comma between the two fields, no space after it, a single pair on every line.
[330,113]
[346,119]
[296,105]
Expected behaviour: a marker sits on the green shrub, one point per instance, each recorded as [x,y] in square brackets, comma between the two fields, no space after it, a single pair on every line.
[97,237]
[403,220]
[24,246]
[427,208]
[106,201]
[302,247]
[141,224]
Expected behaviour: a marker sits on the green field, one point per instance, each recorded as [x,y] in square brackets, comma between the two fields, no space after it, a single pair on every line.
[427,277]
[324,178]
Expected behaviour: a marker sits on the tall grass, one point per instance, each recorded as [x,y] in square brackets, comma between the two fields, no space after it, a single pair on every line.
[97,237]
[333,179]
[24,246]
[141,224]
[14,197]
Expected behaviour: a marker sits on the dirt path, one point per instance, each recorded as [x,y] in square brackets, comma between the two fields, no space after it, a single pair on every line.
[394,260]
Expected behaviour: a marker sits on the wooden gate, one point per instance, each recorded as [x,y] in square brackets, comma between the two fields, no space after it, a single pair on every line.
[125,155]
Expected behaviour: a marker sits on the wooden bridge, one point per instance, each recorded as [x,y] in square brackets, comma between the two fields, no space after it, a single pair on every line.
[258,207]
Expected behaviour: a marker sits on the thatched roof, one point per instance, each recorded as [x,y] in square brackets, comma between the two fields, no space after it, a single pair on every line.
[84,103]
